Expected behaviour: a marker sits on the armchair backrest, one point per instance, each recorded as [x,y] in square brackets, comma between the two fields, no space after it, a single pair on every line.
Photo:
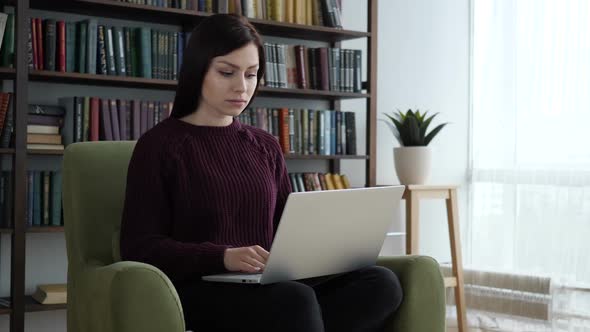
[94,181]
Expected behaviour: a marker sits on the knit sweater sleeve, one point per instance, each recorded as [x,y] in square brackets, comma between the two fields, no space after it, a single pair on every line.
[147,219]
[282,182]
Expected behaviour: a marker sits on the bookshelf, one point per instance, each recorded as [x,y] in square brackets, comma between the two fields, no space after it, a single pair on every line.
[21,76]
[150,83]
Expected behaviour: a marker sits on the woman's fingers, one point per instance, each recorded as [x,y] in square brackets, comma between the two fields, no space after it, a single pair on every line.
[261,251]
[254,261]
[245,267]
[256,255]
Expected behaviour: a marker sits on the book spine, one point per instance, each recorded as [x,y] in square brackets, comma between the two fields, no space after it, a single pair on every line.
[134,55]
[50,43]
[174,49]
[143,117]
[102,52]
[70,47]
[150,115]
[30,63]
[37,202]
[154,51]
[292,147]
[82,47]
[357,71]
[91,46]
[300,52]
[268,65]
[78,117]
[105,117]
[56,190]
[323,68]
[128,120]
[127,47]
[350,133]
[110,50]
[136,105]
[180,51]
[327,125]
[86,119]
[115,120]
[119,51]
[46,201]
[338,132]
[122,120]
[34,40]
[284,129]
[145,50]
[94,119]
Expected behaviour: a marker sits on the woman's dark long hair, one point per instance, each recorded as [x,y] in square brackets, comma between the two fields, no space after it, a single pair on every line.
[217,35]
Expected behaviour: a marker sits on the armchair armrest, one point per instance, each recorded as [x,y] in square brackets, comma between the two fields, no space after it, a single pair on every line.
[423,305]
[128,296]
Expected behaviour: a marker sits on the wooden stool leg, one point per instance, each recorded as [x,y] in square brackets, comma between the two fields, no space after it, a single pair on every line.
[412,211]
[455,239]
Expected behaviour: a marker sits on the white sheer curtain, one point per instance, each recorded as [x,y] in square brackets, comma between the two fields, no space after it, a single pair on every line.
[530,175]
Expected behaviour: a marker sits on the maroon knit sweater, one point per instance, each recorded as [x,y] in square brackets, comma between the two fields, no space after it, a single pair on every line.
[193,191]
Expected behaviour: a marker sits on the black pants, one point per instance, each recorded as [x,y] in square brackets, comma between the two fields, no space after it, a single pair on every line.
[356,301]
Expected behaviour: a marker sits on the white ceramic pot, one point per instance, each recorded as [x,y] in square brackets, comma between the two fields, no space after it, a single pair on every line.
[412,164]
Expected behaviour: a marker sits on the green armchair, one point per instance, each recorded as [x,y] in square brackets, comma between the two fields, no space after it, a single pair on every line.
[109,295]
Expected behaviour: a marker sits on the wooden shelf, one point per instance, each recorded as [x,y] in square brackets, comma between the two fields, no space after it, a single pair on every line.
[31,305]
[189,18]
[308,93]
[149,83]
[45,229]
[7,73]
[45,152]
[5,310]
[6,151]
[321,157]
[103,80]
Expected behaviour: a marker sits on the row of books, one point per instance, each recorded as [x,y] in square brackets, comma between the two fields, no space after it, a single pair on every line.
[87,47]
[44,202]
[306,131]
[6,119]
[309,12]
[81,119]
[322,68]
[318,181]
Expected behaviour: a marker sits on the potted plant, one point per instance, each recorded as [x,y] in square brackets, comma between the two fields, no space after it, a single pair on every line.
[413,158]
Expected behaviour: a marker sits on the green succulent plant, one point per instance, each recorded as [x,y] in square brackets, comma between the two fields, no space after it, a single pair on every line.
[410,127]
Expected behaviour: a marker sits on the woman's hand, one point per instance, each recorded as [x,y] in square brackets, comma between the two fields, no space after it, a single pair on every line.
[245,259]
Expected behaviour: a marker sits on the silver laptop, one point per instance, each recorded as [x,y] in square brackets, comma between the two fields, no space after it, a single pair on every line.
[326,232]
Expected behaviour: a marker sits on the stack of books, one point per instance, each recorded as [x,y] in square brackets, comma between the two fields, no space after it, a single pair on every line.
[44,125]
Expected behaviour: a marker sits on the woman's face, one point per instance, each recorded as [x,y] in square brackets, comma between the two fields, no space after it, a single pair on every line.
[230,82]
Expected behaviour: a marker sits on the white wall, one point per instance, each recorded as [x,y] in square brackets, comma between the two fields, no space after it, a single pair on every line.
[423,63]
